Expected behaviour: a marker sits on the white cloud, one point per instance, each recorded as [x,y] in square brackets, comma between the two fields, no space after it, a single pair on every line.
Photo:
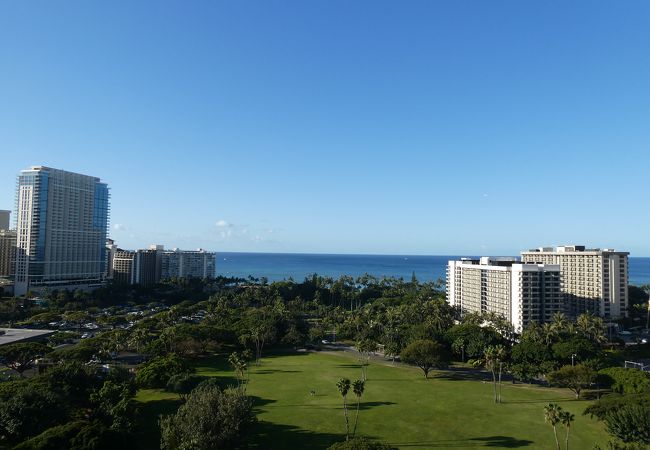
[119,227]
[223,224]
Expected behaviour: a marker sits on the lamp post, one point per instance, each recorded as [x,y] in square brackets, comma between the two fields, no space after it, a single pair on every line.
[573,356]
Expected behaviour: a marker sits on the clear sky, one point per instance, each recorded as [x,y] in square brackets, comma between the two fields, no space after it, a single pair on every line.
[339,126]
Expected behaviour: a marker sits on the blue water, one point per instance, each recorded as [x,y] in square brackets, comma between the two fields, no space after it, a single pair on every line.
[280,266]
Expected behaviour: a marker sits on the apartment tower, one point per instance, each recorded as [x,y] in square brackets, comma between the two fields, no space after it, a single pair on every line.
[62,225]
[141,267]
[7,246]
[187,263]
[521,293]
[593,280]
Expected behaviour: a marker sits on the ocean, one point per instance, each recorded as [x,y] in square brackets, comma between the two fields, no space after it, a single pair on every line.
[280,266]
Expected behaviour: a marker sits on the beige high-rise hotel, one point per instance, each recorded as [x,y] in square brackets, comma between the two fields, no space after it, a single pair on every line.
[593,280]
[570,279]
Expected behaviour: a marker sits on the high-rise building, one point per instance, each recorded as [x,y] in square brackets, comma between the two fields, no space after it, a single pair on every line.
[111,248]
[7,246]
[7,253]
[521,293]
[593,280]
[4,219]
[62,226]
[137,267]
[185,263]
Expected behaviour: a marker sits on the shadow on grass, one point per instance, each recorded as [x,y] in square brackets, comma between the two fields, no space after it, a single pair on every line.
[273,436]
[147,436]
[353,406]
[542,400]
[488,441]
[272,371]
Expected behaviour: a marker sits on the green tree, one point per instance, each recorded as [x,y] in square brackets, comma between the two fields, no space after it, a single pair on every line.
[238,362]
[112,405]
[157,372]
[630,423]
[210,419]
[591,327]
[365,347]
[183,384]
[343,385]
[529,359]
[22,356]
[580,348]
[575,378]
[426,354]
[29,410]
[552,413]
[358,386]
[625,380]
[493,360]
[566,418]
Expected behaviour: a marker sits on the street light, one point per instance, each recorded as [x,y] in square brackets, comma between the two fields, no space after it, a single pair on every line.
[573,356]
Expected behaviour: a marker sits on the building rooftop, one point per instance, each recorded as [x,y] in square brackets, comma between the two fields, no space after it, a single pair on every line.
[16,335]
[568,249]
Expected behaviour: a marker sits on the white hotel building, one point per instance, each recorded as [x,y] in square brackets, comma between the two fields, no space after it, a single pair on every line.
[521,293]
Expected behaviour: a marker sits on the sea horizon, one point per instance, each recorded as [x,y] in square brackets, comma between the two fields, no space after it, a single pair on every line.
[278,266]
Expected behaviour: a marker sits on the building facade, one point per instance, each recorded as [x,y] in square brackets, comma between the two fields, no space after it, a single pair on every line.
[4,219]
[521,293]
[141,267]
[61,226]
[593,280]
[7,253]
[186,263]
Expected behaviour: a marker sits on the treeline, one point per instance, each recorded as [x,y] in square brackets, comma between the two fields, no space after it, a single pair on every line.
[247,317]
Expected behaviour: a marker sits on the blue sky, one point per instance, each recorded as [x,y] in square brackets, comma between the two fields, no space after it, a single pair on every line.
[418,127]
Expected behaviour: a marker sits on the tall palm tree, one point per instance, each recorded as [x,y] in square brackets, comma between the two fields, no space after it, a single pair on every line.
[548,332]
[493,358]
[500,356]
[566,418]
[559,322]
[344,387]
[552,413]
[358,386]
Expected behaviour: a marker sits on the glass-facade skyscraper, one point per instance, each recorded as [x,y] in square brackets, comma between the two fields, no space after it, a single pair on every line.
[61,226]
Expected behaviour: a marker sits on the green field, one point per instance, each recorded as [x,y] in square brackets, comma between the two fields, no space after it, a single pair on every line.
[399,407]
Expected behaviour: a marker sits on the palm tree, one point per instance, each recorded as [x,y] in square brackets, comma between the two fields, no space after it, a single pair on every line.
[493,358]
[358,387]
[559,322]
[566,418]
[552,413]
[548,332]
[500,354]
[344,387]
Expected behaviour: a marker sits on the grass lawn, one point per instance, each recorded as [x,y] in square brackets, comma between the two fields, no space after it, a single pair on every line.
[399,407]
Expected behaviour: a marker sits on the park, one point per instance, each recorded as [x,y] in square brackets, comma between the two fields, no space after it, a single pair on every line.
[298,406]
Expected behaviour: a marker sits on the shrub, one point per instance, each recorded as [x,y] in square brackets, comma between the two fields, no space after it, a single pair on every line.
[54,438]
[624,380]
